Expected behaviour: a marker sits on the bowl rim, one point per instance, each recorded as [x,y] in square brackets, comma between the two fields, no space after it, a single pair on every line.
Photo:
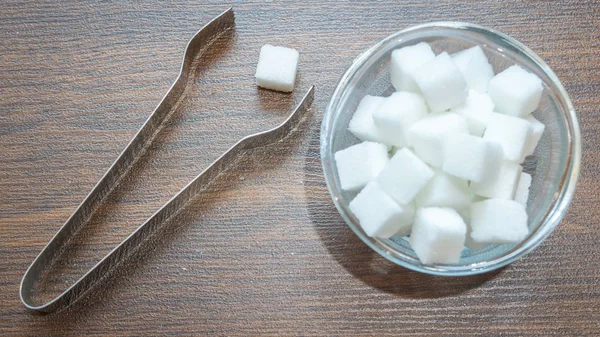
[551,218]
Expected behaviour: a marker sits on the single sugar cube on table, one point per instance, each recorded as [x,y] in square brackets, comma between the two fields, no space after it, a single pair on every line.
[379,215]
[359,164]
[476,111]
[498,221]
[536,134]
[512,133]
[444,190]
[522,193]
[276,68]
[426,135]
[404,61]
[394,117]
[475,68]
[404,176]
[471,158]
[441,83]
[515,91]
[362,125]
[503,186]
[438,235]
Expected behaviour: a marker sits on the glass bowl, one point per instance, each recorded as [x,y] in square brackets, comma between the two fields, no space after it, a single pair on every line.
[554,165]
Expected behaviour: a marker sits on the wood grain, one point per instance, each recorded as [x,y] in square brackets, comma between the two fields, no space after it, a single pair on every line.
[264,251]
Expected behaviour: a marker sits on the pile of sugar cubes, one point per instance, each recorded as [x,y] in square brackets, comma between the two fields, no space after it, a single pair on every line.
[440,159]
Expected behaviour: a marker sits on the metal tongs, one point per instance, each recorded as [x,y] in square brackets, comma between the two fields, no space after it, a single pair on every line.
[124,162]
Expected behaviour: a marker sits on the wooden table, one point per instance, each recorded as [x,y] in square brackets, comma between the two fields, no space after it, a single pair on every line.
[263,252]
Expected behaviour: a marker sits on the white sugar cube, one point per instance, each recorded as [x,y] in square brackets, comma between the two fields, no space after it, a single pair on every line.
[498,221]
[404,61]
[379,215]
[425,136]
[404,176]
[396,115]
[438,235]
[522,193]
[476,111]
[515,91]
[471,158]
[444,190]
[276,68]
[362,125]
[441,83]
[503,186]
[475,68]
[536,134]
[511,133]
[359,164]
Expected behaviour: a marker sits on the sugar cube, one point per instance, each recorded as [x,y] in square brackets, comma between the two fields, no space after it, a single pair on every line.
[276,68]
[515,91]
[476,111]
[503,186]
[379,215]
[471,158]
[536,134]
[362,125]
[425,136]
[498,221]
[404,176]
[438,235]
[441,83]
[359,164]
[444,190]
[511,133]
[396,115]
[475,68]
[404,61]
[522,193]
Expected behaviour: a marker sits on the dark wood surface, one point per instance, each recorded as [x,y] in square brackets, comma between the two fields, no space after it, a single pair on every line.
[264,251]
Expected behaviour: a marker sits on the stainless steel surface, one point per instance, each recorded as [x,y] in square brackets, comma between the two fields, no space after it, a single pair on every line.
[120,168]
